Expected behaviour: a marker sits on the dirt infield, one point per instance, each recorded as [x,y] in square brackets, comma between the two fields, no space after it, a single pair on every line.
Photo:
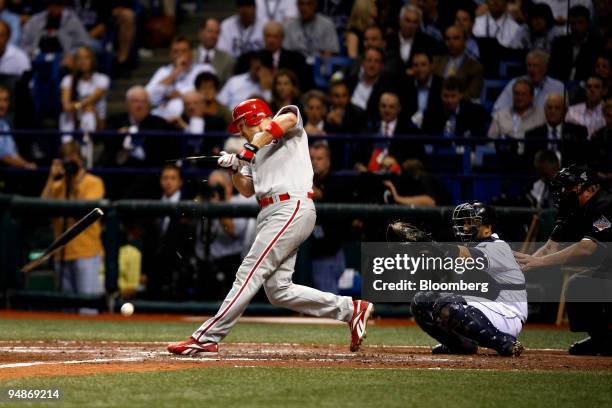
[59,358]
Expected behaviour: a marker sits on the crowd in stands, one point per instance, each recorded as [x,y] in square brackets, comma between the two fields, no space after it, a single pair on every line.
[414,83]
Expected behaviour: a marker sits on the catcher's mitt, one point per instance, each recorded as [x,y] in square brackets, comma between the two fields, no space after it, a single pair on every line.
[401,231]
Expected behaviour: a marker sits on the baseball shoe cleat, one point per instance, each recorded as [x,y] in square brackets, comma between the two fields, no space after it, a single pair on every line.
[442,349]
[192,346]
[512,349]
[590,347]
[362,310]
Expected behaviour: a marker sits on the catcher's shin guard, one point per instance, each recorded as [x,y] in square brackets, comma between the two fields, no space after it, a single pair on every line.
[425,308]
[470,322]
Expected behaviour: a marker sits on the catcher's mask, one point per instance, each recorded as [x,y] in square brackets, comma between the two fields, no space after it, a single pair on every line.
[569,183]
[467,217]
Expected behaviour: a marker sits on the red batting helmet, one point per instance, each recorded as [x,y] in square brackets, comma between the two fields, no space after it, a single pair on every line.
[253,111]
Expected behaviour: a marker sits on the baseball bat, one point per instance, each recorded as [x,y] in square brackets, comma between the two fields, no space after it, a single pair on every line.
[80,226]
[205,159]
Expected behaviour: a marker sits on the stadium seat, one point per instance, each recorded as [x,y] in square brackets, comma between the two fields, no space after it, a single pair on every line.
[511,69]
[324,68]
[491,90]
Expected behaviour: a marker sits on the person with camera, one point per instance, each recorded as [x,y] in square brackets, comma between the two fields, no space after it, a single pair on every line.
[78,263]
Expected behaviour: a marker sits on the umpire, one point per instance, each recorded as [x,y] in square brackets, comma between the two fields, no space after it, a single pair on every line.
[582,235]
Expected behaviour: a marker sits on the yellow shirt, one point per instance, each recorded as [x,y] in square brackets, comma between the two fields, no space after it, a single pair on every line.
[89,242]
[130,259]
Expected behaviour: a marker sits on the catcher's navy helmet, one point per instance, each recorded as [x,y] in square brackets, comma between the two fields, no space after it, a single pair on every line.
[467,217]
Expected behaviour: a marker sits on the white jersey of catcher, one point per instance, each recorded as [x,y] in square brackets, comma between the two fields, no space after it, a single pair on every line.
[283,166]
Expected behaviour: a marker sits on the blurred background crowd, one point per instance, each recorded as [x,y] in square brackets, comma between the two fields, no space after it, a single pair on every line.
[410,102]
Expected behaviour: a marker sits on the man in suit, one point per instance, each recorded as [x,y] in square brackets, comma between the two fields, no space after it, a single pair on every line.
[367,87]
[457,63]
[410,40]
[459,117]
[343,116]
[282,58]
[421,91]
[168,243]
[134,149]
[207,52]
[573,56]
[570,138]
[387,155]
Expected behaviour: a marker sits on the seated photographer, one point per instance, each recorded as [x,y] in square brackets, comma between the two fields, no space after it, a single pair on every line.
[416,187]
[78,263]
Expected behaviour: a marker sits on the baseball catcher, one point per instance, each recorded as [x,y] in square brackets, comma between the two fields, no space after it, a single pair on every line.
[462,323]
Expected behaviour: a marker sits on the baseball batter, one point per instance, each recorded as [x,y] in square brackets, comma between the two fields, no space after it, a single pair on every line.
[462,323]
[275,167]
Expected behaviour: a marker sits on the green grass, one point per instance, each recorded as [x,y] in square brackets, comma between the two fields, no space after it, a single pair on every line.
[329,387]
[25,329]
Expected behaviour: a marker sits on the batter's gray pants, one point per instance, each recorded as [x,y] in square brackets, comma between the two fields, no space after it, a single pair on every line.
[281,228]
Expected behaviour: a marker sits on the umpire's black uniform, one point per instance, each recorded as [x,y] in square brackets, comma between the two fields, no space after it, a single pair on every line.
[589,293]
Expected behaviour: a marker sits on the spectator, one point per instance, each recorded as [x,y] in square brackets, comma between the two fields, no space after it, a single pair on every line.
[315,109]
[421,91]
[540,31]
[498,24]
[559,8]
[171,81]
[57,29]
[418,188]
[411,40]
[285,90]
[568,139]
[281,57]
[573,56]
[326,250]
[457,63]
[521,117]
[169,243]
[208,53]
[603,68]
[386,155]
[590,112]
[257,81]
[12,20]
[546,164]
[13,61]
[130,261]
[9,155]
[220,241]
[241,32]
[465,18]
[275,10]
[343,116]
[537,68]
[363,15]
[459,117]
[78,264]
[373,38]
[434,22]
[367,87]
[135,149]
[602,145]
[195,121]
[311,34]
[84,95]
[208,85]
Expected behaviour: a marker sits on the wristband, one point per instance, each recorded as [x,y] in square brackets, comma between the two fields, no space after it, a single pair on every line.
[274,129]
[248,153]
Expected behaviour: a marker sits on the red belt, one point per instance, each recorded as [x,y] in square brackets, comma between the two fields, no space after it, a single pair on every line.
[266,201]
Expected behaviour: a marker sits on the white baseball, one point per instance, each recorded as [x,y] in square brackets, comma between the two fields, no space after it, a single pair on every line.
[127,309]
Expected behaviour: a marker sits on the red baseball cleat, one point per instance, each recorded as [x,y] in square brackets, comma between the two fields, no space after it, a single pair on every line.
[361,313]
[192,346]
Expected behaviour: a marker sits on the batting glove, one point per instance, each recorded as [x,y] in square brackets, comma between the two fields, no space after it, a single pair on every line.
[248,153]
[228,161]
